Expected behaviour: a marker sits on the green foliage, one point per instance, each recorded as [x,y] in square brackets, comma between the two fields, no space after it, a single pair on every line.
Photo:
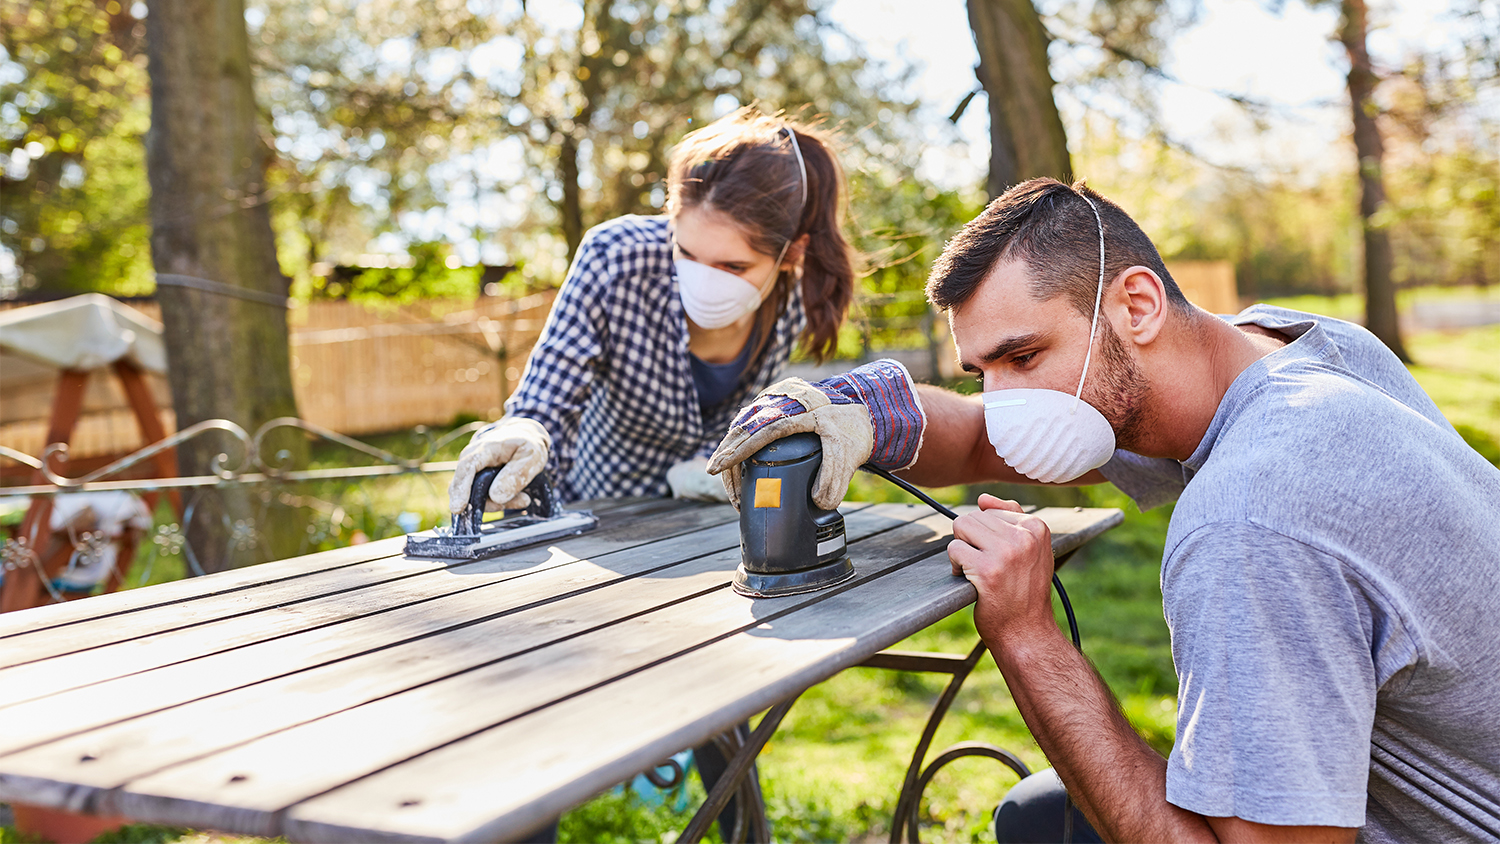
[623,817]
[141,834]
[73,110]
[9,835]
[428,277]
[900,228]
[1487,446]
[1457,369]
[559,120]
[1291,234]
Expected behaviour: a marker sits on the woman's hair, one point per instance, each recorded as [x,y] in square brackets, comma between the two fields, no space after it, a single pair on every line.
[744,166]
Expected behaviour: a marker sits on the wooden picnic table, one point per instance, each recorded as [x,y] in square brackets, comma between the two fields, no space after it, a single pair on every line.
[357,694]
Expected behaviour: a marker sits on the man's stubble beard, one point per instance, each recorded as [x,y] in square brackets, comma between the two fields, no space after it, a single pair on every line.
[1120,392]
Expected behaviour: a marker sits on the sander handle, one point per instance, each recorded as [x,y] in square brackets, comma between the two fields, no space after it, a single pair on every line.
[468,521]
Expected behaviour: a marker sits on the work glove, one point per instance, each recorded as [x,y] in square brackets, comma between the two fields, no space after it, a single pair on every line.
[520,445]
[690,479]
[868,415]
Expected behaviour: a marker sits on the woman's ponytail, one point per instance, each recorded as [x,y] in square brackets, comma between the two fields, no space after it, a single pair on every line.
[828,262]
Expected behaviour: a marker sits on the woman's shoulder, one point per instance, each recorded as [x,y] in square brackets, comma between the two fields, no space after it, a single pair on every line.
[621,260]
[630,232]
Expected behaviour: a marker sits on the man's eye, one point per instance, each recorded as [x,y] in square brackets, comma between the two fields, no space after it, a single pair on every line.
[1022,360]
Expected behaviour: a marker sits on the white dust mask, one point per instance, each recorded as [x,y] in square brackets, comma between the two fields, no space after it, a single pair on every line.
[714,298]
[1048,435]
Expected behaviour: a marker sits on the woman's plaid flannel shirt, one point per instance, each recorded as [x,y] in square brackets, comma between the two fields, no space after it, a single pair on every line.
[610,377]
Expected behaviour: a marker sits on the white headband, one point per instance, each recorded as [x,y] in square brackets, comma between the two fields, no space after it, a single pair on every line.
[801,165]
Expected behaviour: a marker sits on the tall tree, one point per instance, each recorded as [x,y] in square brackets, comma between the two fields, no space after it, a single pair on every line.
[222,294]
[1027,138]
[582,101]
[1380,287]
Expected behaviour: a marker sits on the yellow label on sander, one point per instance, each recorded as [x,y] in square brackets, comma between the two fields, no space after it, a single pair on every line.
[768,493]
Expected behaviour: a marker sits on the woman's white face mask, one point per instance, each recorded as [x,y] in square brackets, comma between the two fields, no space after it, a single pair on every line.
[715,298]
[1048,435]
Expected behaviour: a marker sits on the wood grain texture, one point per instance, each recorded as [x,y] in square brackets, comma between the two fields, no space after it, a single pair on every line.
[110,756]
[284,640]
[176,606]
[459,703]
[262,579]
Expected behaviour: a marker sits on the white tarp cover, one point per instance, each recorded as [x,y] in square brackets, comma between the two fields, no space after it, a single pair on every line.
[82,332]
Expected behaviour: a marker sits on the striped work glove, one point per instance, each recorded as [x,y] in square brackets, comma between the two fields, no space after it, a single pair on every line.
[870,414]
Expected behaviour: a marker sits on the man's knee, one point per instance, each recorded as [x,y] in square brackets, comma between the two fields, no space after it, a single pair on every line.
[1033,813]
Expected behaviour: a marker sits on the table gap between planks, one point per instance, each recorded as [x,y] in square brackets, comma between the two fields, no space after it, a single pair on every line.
[360,694]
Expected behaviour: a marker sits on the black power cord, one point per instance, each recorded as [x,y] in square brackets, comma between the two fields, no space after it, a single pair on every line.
[1056,583]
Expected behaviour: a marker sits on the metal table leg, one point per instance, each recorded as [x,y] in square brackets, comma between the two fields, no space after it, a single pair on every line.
[751,802]
[917,778]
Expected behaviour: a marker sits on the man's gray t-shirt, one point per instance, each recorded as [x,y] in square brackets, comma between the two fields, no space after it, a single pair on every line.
[1332,584]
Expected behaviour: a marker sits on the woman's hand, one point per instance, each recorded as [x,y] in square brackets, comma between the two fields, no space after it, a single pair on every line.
[518,444]
[690,479]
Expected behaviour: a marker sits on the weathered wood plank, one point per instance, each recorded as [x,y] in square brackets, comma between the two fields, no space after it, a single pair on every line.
[108,757]
[506,781]
[455,598]
[260,578]
[262,776]
[428,800]
[39,620]
[330,587]
[373,688]
[1073,526]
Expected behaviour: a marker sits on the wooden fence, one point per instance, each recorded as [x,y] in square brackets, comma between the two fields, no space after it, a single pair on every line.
[360,370]
[355,369]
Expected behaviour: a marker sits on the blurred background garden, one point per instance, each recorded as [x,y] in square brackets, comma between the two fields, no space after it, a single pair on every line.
[427,171]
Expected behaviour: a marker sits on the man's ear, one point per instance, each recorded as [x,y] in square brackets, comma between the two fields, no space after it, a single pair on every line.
[1145,300]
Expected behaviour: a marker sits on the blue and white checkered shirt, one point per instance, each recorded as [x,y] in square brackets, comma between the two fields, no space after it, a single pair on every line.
[610,377]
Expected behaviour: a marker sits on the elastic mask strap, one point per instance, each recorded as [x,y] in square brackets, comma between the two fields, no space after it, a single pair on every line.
[1098,295]
[775,273]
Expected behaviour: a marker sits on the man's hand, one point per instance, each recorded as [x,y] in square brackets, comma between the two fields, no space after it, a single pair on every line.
[794,406]
[868,414]
[1007,555]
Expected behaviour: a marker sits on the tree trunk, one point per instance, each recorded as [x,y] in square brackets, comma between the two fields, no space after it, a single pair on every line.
[1380,288]
[221,290]
[1026,132]
[571,207]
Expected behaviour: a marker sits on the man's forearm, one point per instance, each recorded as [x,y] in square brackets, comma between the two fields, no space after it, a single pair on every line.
[955,449]
[1112,775]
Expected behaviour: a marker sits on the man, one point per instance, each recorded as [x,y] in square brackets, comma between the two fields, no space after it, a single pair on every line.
[1331,575]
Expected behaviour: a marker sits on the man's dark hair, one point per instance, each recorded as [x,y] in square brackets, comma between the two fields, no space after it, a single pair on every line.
[1049,227]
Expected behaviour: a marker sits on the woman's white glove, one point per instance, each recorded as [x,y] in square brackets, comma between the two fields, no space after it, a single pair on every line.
[518,444]
[690,479]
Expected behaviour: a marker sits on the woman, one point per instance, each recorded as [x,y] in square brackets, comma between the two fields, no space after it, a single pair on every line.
[666,325]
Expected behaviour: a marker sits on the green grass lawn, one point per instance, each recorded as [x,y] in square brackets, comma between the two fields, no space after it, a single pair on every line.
[833,770]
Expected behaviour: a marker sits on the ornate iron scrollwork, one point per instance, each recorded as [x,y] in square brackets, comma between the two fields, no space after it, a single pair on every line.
[60,450]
